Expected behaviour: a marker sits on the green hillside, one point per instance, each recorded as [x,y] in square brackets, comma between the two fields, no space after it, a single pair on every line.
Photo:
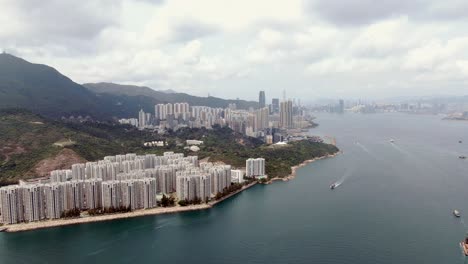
[27,138]
[44,90]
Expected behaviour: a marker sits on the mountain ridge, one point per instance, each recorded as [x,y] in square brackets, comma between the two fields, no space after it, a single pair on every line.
[134,90]
[44,90]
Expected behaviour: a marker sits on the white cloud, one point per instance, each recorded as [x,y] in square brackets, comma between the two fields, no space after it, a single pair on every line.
[234,48]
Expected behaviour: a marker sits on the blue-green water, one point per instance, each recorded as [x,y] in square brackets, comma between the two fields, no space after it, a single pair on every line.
[394,206]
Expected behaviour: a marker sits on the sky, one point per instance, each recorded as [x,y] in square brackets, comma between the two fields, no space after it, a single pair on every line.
[233,49]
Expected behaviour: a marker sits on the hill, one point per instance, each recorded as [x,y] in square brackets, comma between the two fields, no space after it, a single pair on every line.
[43,89]
[31,146]
[164,96]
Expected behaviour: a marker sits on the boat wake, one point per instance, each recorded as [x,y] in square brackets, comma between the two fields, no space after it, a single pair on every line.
[161,226]
[346,175]
[401,150]
[363,148]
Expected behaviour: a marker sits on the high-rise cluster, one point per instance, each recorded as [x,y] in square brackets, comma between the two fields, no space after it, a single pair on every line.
[267,122]
[121,182]
[35,202]
[203,182]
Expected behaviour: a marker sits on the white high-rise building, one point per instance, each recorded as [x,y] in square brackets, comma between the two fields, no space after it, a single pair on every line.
[255,167]
[237,176]
[286,114]
[54,196]
[142,119]
[261,119]
[34,204]
[160,111]
[11,207]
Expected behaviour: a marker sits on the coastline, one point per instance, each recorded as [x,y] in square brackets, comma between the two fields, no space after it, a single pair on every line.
[154,211]
[303,164]
[101,218]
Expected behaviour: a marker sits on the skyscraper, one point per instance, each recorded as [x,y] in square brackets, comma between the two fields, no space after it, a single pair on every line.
[341,106]
[141,119]
[286,114]
[261,99]
[261,119]
[275,105]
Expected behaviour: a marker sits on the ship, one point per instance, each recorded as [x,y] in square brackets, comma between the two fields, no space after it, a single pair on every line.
[464,245]
[456,213]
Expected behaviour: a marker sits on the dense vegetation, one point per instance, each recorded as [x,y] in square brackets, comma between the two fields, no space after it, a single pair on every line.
[110,210]
[27,138]
[187,202]
[222,144]
[44,90]
[167,201]
[72,213]
[228,190]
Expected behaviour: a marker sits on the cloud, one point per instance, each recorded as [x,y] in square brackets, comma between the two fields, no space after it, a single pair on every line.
[234,48]
[188,30]
[62,18]
[362,12]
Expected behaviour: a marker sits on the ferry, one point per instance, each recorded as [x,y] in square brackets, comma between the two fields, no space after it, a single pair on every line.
[456,213]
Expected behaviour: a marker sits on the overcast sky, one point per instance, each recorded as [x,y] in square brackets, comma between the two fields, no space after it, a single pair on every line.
[234,48]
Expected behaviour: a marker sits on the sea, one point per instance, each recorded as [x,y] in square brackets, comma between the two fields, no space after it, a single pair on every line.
[393,205]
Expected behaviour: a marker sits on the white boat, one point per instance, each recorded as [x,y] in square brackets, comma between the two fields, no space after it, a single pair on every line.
[334,185]
[392,141]
[456,213]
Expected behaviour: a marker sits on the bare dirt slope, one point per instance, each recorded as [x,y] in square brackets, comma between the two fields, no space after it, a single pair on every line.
[63,160]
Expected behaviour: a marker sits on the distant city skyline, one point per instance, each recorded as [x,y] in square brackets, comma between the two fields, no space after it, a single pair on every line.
[310,48]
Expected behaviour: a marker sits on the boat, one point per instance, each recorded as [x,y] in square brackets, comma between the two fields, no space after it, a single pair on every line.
[392,141]
[3,229]
[333,186]
[462,157]
[464,245]
[459,141]
[456,213]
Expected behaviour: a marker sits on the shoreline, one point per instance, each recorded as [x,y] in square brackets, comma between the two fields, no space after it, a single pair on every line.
[294,169]
[102,218]
[153,211]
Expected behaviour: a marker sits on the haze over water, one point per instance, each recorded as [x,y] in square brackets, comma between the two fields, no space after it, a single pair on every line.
[394,205]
